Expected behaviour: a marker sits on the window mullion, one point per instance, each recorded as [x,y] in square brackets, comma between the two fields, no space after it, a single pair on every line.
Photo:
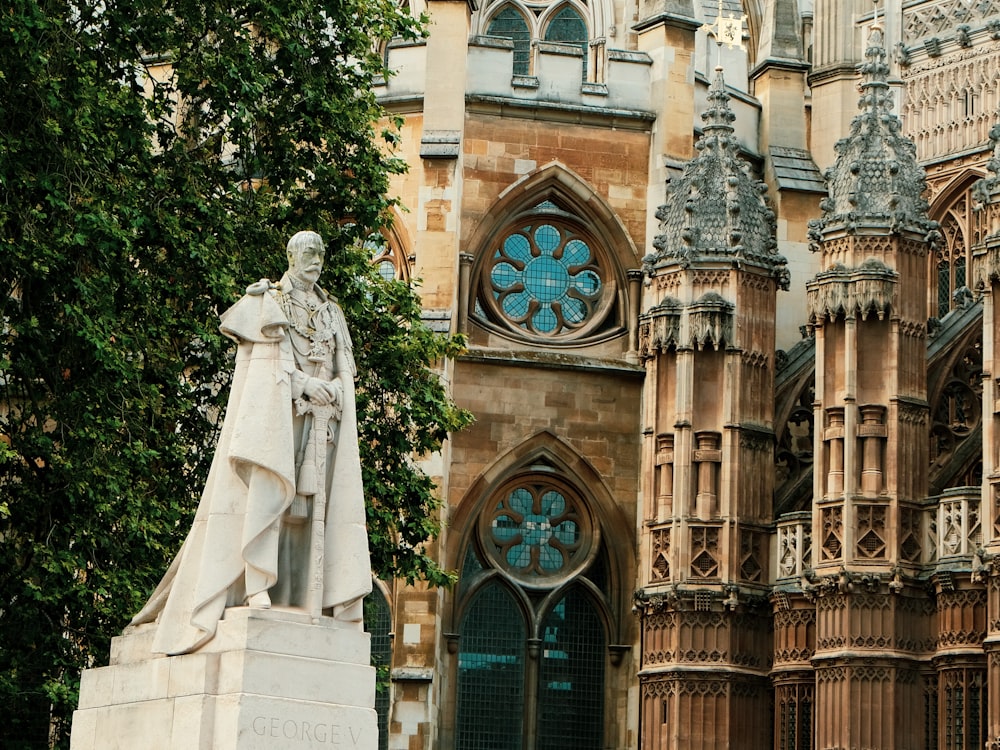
[531,677]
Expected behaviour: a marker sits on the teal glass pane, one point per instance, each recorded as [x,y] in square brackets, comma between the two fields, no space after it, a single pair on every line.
[387,270]
[516,305]
[504,275]
[568,28]
[535,534]
[544,279]
[944,288]
[959,273]
[378,622]
[510,24]
[547,238]
[571,676]
[517,248]
[470,566]
[576,253]
[491,673]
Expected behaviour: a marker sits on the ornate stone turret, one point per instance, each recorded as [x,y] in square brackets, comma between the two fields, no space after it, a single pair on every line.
[869,310]
[707,339]
[876,182]
[716,210]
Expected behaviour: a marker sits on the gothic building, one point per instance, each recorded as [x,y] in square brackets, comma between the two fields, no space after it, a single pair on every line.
[727,275]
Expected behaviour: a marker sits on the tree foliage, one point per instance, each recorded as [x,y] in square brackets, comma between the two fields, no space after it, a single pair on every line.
[154,158]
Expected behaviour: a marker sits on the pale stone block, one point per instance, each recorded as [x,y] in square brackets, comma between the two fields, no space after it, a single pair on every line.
[84,729]
[193,674]
[411,633]
[192,722]
[524,166]
[292,633]
[296,677]
[141,681]
[96,687]
[276,724]
[239,698]
[135,644]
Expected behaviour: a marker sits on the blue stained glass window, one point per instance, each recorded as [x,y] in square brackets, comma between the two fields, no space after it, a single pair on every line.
[537,531]
[545,279]
[510,24]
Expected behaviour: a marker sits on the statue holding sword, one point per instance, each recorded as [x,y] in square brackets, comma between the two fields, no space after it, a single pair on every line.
[281,522]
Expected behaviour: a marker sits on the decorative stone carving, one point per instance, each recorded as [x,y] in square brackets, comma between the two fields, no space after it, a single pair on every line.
[660,328]
[711,321]
[876,181]
[716,211]
[870,288]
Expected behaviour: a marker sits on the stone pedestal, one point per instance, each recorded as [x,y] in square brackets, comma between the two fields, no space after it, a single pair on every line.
[268,679]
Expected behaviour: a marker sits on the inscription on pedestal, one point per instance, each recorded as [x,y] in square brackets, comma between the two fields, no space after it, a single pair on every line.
[309,733]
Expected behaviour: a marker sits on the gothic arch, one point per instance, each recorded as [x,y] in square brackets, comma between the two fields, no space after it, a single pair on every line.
[950,266]
[544,452]
[754,12]
[556,180]
[400,245]
[597,14]
[550,264]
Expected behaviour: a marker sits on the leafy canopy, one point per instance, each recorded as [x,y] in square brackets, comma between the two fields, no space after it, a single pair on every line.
[154,158]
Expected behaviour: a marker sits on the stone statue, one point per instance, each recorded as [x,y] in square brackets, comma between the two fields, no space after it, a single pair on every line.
[282,517]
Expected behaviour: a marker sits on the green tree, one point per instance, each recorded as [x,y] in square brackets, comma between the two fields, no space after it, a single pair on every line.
[154,158]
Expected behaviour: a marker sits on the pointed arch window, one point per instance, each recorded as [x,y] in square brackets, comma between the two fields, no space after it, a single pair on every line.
[951,264]
[568,27]
[533,642]
[545,277]
[509,23]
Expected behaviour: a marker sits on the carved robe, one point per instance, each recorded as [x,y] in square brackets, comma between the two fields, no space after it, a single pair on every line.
[250,523]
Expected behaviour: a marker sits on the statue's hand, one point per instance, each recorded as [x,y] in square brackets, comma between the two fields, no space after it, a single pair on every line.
[318,391]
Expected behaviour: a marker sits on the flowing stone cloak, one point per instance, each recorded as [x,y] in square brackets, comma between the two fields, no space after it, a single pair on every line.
[251,485]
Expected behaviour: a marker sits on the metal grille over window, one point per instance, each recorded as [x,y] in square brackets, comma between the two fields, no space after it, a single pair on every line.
[491,673]
[571,693]
[533,621]
[378,622]
[546,278]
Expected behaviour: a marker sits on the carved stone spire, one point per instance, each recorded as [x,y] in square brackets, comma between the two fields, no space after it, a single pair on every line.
[876,182]
[716,209]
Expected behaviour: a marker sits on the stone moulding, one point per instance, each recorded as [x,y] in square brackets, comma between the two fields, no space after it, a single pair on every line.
[861,291]
[709,325]
[711,321]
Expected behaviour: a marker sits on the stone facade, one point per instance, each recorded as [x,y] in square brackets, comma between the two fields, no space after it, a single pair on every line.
[733,477]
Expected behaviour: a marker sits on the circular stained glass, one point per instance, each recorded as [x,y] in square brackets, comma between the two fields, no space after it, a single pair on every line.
[538,530]
[544,279]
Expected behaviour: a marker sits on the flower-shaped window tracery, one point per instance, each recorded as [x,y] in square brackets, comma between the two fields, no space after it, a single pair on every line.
[546,278]
[538,530]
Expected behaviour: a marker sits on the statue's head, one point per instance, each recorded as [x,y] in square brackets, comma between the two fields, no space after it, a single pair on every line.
[305,256]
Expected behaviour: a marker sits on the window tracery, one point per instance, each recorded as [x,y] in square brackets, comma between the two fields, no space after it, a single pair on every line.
[533,622]
[952,262]
[559,21]
[546,278]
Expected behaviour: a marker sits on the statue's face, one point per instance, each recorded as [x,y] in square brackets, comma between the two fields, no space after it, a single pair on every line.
[306,262]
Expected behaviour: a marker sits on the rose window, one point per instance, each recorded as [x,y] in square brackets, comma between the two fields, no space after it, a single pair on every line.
[538,530]
[546,278]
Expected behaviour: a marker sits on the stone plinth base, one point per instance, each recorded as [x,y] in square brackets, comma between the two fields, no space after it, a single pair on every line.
[269,679]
